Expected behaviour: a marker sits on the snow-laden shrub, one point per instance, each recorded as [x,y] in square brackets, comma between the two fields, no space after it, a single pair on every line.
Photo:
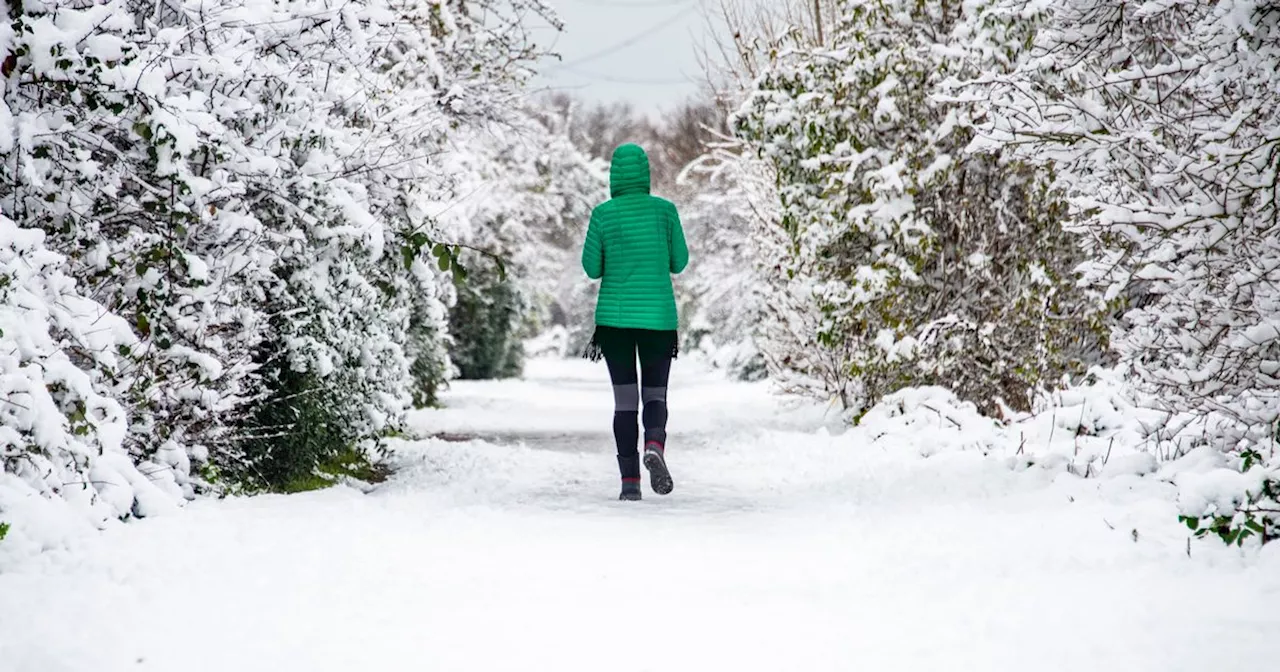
[1236,501]
[252,186]
[62,434]
[427,347]
[124,157]
[1161,121]
[907,261]
[483,328]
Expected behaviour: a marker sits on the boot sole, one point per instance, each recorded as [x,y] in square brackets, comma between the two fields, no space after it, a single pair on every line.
[659,476]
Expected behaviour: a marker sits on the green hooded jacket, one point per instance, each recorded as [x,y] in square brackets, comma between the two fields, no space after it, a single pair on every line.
[635,243]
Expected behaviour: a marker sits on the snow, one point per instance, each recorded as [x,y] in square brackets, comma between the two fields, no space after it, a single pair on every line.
[564,397]
[787,545]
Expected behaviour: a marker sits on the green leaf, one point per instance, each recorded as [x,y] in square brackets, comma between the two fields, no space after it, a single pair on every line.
[144,325]
[439,250]
[408,255]
[444,263]
[502,269]
[1191,521]
[1255,526]
[143,130]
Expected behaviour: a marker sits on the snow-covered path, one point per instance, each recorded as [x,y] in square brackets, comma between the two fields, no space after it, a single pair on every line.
[783,548]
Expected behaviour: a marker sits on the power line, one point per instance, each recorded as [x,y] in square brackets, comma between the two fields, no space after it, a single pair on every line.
[650,4]
[630,80]
[627,42]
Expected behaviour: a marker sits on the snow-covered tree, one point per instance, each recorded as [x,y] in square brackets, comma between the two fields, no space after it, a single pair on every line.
[915,262]
[723,291]
[1161,121]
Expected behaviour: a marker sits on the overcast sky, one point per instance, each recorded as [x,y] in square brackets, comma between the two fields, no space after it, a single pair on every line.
[642,51]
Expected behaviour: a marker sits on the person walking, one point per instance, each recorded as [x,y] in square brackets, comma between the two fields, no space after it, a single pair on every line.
[634,244]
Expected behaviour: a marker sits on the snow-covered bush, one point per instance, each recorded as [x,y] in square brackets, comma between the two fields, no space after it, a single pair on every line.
[427,347]
[116,154]
[62,434]
[1235,502]
[250,186]
[908,261]
[1161,121]
[484,326]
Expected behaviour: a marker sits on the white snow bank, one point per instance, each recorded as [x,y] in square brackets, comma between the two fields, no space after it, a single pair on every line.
[1090,430]
[1102,429]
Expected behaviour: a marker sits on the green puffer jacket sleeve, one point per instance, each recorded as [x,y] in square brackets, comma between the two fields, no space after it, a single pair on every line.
[679,250]
[593,251]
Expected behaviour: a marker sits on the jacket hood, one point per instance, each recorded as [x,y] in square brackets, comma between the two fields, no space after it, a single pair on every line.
[629,171]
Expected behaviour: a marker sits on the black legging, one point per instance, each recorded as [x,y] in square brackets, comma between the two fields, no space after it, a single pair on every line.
[629,391]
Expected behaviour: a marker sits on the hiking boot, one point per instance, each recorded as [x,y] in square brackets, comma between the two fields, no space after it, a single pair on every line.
[656,463]
[630,491]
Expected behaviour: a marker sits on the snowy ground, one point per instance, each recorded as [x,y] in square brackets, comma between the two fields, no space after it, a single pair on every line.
[784,547]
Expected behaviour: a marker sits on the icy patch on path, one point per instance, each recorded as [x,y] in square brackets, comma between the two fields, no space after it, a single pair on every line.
[783,548]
